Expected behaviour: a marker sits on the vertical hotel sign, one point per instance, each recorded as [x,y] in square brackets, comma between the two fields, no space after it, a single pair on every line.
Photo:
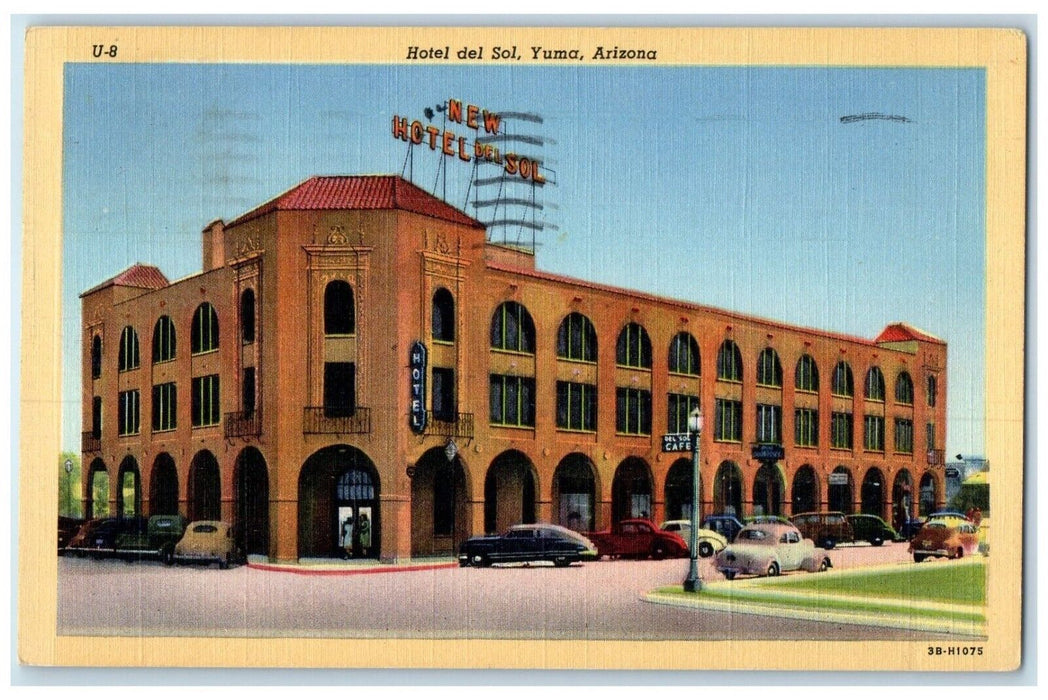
[417,365]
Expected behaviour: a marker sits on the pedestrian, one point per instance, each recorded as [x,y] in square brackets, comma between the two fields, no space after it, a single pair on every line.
[347,537]
[364,525]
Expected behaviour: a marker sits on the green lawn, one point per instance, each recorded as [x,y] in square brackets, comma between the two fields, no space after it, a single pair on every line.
[917,592]
[963,583]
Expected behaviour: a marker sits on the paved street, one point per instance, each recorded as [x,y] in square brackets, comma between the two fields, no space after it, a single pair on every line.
[596,600]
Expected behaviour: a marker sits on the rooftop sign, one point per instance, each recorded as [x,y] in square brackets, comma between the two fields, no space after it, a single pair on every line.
[452,144]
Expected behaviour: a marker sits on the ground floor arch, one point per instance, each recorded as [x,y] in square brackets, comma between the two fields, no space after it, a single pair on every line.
[804,494]
[929,488]
[872,497]
[679,490]
[840,492]
[509,491]
[631,490]
[251,502]
[129,488]
[768,489]
[163,486]
[440,511]
[338,505]
[204,491]
[727,489]
[574,493]
[96,500]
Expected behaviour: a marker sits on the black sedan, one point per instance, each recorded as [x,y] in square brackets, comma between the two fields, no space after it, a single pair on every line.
[527,543]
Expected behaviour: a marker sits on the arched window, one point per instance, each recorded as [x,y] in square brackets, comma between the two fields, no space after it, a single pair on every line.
[807,374]
[576,339]
[769,369]
[164,339]
[355,484]
[932,390]
[843,383]
[729,362]
[684,354]
[128,358]
[339,313]
[96,357]
[247,316]
[904,388]
[443,315]
[874,384]
[512,328]
[633,348]
[204,337]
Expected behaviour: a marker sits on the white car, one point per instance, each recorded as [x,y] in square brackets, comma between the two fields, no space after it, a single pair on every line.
[768,549]
[710,542]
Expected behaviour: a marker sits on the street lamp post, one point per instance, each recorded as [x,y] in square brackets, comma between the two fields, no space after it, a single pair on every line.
[693,584]
[69,487]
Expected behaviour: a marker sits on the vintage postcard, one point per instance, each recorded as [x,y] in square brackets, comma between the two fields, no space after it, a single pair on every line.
[531,348]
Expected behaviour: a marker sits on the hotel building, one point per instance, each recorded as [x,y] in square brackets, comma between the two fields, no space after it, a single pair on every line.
[357,370]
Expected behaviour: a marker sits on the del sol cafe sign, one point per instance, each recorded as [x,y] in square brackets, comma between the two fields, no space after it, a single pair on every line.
[455,145]
[417,383]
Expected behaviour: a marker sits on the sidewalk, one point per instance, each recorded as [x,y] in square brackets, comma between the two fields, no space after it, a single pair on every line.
[320,566]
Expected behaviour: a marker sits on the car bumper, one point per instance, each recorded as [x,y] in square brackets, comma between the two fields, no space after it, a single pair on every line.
[932,552]
[193,558]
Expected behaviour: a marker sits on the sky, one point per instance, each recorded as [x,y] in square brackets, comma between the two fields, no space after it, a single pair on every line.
[737,187]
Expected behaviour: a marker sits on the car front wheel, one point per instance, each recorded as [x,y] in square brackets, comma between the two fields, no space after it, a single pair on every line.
[773,569]
[877,541]
[658,551]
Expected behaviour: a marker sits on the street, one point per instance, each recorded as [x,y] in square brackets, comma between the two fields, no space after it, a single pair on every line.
[593,601]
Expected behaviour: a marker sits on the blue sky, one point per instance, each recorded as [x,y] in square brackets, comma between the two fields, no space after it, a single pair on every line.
[735,187]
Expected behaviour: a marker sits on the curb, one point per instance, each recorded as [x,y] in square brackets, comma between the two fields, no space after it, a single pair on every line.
[334,570]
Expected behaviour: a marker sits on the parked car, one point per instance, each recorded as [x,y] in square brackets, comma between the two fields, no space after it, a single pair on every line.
[872,529]
[768,549]
[98,537]
[207,541]
[638,538]
[826,529]
[709,542]
[527,543]
[945,538]
[751,519]
[952,517]
[726,525]
[67,529]
[156,541]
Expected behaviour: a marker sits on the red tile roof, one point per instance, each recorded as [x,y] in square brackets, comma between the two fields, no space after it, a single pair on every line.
[901,332]
[360,192]
[138,275]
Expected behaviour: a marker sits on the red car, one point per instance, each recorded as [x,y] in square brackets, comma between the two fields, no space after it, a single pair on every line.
[944,538]
[638,538]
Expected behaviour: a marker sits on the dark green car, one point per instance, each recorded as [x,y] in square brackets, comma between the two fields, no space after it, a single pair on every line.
[872,529]
[156,541]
